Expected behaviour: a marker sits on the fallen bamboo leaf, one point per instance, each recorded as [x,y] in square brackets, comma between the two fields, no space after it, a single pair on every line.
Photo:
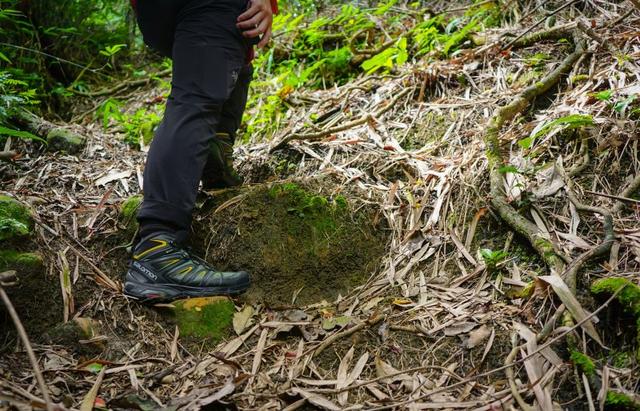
[384,369]
[316,399]
[569,300]
[460,328]
[477,336]
[341,380]
[242,319]
[113,175]
[228,388]
[358,368]
[89,399]
[259,349]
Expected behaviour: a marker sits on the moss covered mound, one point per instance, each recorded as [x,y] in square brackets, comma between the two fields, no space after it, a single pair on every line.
[15,218]
[292,240]
[628,297]
[10,259]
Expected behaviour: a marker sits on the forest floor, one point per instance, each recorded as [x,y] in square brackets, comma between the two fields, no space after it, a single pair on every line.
[386,272]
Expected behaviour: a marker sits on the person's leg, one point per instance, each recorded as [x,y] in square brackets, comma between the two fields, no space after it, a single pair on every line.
[208,53]
[219,171]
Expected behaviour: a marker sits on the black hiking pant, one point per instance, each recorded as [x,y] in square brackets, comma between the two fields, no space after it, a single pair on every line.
[211,76]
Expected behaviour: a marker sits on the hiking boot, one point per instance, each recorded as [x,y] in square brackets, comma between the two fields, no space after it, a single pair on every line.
[219,172]
[161,271]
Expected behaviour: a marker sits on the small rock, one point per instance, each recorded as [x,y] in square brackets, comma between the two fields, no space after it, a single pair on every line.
[60,139]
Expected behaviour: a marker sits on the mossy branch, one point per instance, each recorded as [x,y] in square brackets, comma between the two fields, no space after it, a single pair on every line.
[524,227]
[554,33]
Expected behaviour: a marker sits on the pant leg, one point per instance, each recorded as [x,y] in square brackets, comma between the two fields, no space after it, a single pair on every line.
[208,55]
[230,119]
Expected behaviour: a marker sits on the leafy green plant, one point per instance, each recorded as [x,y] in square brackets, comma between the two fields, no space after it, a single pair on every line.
[388,58]
[108,110]
[139,127]
[603,95]
[621,106]
[492,258]
[15,95]
[570,122]
[110,53]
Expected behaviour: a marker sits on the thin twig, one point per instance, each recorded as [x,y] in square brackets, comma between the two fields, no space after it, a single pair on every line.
[27,346]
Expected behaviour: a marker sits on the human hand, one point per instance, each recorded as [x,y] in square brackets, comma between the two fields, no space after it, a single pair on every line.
[256,21]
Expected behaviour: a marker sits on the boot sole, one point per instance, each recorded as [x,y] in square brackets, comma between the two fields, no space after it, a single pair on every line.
[161,293]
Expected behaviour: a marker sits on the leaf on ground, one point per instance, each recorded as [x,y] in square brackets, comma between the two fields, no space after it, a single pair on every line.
[460,328]
[113,175]
[331,323]
[550,180]
[341,380]
[477,336]
[316,399]
[242,319]
[384,370]
[569,300]
[295,315]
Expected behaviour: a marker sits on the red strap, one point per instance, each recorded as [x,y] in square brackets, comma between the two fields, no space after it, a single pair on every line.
[133,4]
[274,6]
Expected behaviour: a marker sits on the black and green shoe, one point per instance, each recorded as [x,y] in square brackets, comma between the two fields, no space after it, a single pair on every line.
[161,271]
[219,172]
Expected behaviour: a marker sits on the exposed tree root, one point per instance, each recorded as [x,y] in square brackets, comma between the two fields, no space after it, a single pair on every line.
[627,192]
[123,85]
[570,275]
[544,247]
[37,125]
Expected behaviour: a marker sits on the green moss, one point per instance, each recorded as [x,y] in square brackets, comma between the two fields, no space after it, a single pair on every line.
[583,362]
[9,259]
[579,78]
[128,211]
[314,211]
[537,60]
[209,317]
[15,218]
[620,359]
[620,402]
[629,297]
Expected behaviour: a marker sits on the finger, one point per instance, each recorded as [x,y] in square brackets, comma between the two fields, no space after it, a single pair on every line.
[262,28]
[265,39]
[250,12]
[252,22]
